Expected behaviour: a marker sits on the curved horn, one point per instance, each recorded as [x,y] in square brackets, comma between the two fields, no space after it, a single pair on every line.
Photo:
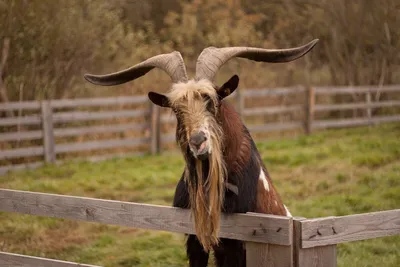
[171,63]
[212,58]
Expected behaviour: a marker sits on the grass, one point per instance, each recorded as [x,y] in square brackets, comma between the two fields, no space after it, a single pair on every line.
[334,172]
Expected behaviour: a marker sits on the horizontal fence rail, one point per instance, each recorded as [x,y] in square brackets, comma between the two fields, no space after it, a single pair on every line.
[270,240]
[58,122]
[353,122]
[247,227]
[357,105]
[12,260]
[101,144]
[335,230]
[87,116]
[249,93]
[355,89]
[21,152]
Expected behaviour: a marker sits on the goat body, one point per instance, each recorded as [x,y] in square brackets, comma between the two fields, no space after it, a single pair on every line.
[246,173]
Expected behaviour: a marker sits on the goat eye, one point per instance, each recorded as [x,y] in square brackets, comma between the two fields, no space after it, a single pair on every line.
[205,97]
[211,106]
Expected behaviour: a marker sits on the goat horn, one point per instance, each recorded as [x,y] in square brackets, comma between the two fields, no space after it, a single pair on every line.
[171,63]
[212,58]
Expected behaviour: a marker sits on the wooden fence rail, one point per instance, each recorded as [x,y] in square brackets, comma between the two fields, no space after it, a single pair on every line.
[270,240]
[16,260]
[51,114]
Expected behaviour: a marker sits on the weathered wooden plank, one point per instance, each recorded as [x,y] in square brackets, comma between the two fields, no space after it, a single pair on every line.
[248,227]
[266,255]
[48,132]
[16,136]
[97,115]
[323,256]
[355,89]
[16,260]
[382,119]
[353,122]
[15,167]
[168,118]
[357,105]
[271,110]
[24,120]
[240,103]
[100,144]
[155,134]
[91,102]
[21,152]
[335,230]
[20,105]
[168,138]
[310,109]
[274,127]
[368,103]
[62,132]
[250,93]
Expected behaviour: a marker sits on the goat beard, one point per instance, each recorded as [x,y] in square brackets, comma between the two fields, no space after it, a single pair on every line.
[207,198]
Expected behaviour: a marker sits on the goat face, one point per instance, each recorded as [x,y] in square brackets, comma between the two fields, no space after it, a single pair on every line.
[196,106]
[199,133]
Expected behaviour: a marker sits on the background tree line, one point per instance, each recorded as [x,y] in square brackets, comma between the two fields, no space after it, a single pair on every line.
[47,45]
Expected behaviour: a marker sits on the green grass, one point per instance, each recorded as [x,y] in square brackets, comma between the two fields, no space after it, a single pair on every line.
[335,172]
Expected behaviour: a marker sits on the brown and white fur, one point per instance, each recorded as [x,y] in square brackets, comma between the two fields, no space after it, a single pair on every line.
[224,171]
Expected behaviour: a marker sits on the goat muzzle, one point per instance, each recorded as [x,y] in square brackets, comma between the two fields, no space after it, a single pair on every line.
[198,144]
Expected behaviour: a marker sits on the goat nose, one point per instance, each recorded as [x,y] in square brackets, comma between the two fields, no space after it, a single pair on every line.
[197,139]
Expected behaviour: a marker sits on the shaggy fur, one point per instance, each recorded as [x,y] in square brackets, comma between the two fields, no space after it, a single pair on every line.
[234,159]
[195,107]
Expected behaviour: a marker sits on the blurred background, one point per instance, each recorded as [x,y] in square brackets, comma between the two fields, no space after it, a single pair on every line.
[50,114]
[53,43]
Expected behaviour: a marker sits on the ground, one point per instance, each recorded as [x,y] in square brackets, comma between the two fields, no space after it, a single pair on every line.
[336,172]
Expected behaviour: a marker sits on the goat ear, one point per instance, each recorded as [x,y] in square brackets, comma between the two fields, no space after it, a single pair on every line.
[229,87]
[159,99]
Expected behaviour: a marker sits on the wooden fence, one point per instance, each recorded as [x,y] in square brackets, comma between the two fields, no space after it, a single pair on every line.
[270,240]
[152,127]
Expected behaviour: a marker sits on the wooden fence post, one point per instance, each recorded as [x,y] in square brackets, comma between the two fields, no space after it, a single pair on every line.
[323,256]
[369,110]
[265,255]
[309,110]
[155,134]
[48,132]
[240,102]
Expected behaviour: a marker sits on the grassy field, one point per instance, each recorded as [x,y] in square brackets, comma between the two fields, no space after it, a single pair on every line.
[335,172]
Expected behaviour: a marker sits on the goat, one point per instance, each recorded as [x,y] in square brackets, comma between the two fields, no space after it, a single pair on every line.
[223,168]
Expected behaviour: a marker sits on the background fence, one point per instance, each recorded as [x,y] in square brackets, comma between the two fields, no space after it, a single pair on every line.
[50,131]
[270,240]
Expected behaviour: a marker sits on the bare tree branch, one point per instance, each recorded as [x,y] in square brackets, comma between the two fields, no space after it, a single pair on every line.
[3,62]
[4,54]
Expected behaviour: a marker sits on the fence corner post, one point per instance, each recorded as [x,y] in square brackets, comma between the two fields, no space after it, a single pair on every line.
[155,129]
[48,132]
[264,255]
[319,256]
[309,110]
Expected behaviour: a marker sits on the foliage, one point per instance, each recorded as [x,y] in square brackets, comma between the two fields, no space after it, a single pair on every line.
[359,40]
[319,175]
[203,23]
[54,43]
